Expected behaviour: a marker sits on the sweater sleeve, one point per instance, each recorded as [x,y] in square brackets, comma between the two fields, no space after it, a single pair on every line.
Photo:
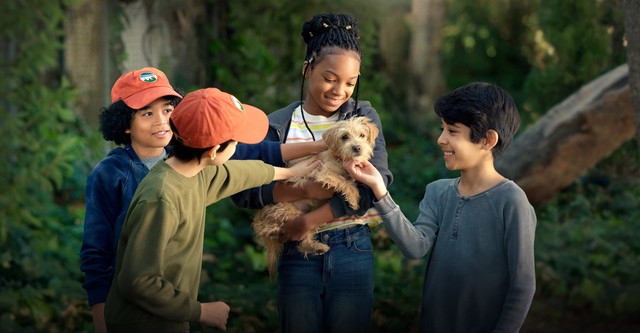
[520,224]
[414,240]
[267,151]
[141,278]
[260,196]
[97,252]
[235,176]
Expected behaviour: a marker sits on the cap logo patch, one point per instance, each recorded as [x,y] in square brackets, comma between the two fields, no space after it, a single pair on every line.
[237,103]
[148,77]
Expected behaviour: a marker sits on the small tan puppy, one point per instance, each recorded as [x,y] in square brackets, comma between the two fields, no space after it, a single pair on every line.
[350,139]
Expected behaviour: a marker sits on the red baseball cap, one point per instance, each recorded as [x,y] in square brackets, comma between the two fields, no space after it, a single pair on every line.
[141,87]
[208,117]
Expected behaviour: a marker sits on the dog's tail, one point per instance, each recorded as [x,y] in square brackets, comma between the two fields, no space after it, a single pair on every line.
[266,225]
[274,249]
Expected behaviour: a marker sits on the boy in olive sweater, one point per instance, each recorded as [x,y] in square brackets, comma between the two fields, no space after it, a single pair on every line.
[159,259]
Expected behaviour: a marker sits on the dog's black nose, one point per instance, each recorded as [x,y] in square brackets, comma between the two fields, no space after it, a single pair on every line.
[356,149]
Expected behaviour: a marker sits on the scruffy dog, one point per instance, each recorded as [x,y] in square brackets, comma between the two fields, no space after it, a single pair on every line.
[350,139]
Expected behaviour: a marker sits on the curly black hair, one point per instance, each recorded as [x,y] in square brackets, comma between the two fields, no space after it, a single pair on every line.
[327,34]
[330,30]
[116,119]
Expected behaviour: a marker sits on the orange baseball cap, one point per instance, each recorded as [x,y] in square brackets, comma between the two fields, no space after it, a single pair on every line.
[208,117]
[141,87]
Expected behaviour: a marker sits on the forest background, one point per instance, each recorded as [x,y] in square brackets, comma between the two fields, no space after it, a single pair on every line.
[542,51]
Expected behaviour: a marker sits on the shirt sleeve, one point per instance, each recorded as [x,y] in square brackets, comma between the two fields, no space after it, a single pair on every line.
[102,201]
[141,278]
[267,151]
[413,240]
[235,176]
[520,224]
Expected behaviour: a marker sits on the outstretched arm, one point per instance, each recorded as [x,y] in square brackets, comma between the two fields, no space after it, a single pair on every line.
[293,151]
[367,174]
[297,170]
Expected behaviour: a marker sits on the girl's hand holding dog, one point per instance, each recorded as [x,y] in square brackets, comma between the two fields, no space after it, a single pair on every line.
[367,174]
[315,190]
[297,228]
[285,192]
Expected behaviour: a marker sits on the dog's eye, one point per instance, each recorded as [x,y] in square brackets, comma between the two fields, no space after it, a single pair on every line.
[345,137]
[362,135]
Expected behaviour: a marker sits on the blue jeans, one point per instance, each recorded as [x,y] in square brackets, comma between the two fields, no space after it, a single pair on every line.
[328,293]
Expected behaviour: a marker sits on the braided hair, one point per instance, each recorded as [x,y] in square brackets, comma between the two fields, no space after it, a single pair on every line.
[328,34]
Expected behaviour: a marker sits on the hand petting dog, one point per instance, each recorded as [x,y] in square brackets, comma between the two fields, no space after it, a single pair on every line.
[366,173]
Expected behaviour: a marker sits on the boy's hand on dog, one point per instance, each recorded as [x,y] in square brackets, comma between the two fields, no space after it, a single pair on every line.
[214,314]
[304,167]
[367,174]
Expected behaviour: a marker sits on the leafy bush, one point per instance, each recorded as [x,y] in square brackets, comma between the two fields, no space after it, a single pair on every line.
[586,242]
[40,208]
[586,253]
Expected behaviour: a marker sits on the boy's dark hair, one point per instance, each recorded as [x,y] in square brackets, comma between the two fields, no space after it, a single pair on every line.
[330,34]
[185,153]
[481,107]
[116,119]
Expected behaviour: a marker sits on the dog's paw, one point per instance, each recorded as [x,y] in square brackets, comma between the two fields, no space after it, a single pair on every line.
[315,248]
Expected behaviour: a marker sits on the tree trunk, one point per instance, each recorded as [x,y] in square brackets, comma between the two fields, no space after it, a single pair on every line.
[631,10]
[425,72]
[572,137]
[85,57]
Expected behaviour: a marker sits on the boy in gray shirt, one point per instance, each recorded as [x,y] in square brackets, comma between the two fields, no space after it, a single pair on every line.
[479,227]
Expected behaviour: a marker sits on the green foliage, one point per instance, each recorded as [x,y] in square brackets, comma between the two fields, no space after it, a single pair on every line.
[415,163]
[530,49]
[398,287]
[235,270]
[259,57]
[568,54]
[586,244]
[586,253]
[39,212]
[486,40]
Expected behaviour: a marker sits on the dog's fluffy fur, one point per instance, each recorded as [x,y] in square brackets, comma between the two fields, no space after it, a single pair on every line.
[350,139]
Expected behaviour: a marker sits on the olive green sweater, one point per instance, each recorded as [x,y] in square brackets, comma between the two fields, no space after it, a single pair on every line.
[159,260]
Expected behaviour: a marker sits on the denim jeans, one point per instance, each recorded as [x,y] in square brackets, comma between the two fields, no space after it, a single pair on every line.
[328,293]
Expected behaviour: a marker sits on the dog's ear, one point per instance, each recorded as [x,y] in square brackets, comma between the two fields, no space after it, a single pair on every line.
[330,136]
[373,132]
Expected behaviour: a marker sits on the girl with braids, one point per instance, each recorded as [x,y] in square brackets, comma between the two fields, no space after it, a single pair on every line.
[331,292]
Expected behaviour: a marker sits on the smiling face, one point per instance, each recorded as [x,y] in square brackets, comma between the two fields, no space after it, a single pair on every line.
[332,81]
[150,131]
[459,152]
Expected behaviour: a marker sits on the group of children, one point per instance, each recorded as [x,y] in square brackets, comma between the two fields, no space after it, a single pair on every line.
[146,203]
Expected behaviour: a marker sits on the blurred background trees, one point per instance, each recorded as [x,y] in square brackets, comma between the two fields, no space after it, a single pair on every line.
[59,58]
